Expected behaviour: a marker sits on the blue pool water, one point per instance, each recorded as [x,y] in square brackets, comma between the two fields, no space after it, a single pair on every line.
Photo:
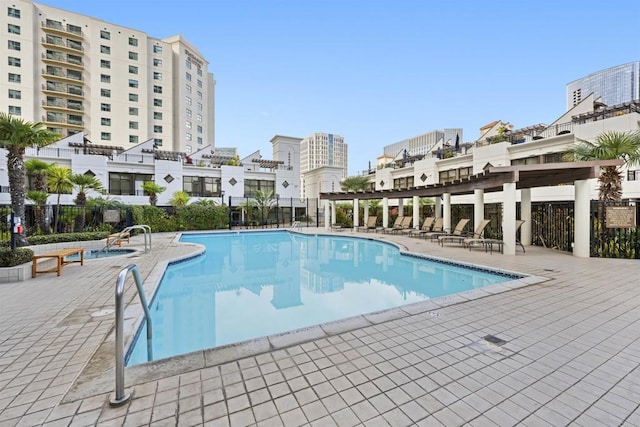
[249,285]
[98,254]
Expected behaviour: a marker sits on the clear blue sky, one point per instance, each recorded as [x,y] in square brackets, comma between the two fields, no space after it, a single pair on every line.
[378,71]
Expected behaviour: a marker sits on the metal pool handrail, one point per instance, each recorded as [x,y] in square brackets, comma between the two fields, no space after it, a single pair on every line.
[146,230]
[120,397]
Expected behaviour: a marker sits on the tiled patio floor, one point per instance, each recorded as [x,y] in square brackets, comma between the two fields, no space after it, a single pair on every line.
[571,358]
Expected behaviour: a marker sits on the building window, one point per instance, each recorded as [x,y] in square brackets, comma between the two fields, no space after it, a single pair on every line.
[200,84]
[14,29]
[14,62]
[157,129]
[125,184]
[13,12]
[104,78]
[188,87]
[14,45]
[14,110]
[251,186]
[157,102]
[199,129]
[188,112]
[188,136]
[199,117]
[14,78]
[104,121]
[157,62]
[133,111]
[15,94]
[157,89]
[133,42]
[133,83]
[157,49]
[105,64]
[133,125]
[199,106]
[157,142]
[199,95]
[105,107]
[633,175]
[200,71]
[188,77]
[105,136]
[105,49]
[201,186]
[106,35]
[157,115]
[105,92]
[188,100]
[133,56]
[133,69]
[188,64]
[157,76]
[133,97]
[133,139]
[188,124]
[200,140]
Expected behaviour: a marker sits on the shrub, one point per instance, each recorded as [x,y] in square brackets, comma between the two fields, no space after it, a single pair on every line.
[154,217]
[9,258]
[202,217]
[67,237]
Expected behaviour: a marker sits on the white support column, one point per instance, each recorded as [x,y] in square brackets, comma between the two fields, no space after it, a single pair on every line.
[385,212]
[581,213]
[327,214]
[365,220]
[333,212]
[509,218]
[356,214]
[400,207]
[416,212]
[525,214]
[478,206]
[438,207]
[446,211]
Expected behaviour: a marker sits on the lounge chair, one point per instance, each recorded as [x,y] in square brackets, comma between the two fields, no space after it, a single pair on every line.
[396,225]
[488,243]
[405,224]
[435,228]
[456,231]
[371,223]
[426,226]
[477,234]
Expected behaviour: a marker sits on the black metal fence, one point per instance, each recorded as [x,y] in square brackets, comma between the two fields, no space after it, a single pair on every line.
[250,212]
[622,242]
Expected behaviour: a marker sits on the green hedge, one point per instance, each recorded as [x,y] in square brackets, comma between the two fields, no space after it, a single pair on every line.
[190,217]
[67,237]
[9,258]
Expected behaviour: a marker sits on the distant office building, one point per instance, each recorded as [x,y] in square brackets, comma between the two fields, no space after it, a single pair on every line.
[77,73]
[614,86]
[423,144]
[323,149]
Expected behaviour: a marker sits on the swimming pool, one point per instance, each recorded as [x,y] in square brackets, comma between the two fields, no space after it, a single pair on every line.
[252,284]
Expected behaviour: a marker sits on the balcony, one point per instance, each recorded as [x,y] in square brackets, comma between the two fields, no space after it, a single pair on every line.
[60,59]
[63,122]
[58,43]
[60,74]
[55,27]
[60,88]
[62,105]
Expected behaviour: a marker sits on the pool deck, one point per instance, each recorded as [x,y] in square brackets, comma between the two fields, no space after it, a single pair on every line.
[571,354]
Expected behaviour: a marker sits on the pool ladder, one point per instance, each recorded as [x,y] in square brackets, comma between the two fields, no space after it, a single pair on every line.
[120,397]
[145,228]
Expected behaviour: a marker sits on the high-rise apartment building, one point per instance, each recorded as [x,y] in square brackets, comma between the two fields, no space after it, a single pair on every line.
[614,86]
[323,149]
[423,144]
[78,73]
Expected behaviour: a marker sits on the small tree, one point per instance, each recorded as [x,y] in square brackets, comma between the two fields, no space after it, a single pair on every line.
[180,198]
[39,199]
[264,201]
[153,189]
[83,183]
[59,182]
[355,183]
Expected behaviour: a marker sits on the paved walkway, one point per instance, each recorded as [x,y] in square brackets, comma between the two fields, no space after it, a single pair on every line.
[571,355]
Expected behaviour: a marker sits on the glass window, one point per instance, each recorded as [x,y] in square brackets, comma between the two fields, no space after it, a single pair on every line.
[14,45]
[157,76]
[105,49]
[133,69]
[105,64]
[133,125]
[105,92]
[105,136]
[133,83]
[199,140]
[14,29]
[74,29]
[188,64]
[133,97]
[201,186]
[133,111]
[157,102]
[157,49]
[13,12]
[188,112]
[199,95]
[200,84]
[157,115]
[15,94]
[14,62]
[199,106]
[200,71]
[188,136]
[157,62]
[188,124]
[104,78]
[251,186]
[188,77]
[133,42]
[74,74]
[15,78]
[133,139]
[157,129]
[133,56]
[157,142]
[15,110]
[105,121]
[106,35]
[105,107]
[188,87]
[199,129]
[157,89]
[188,100]
[125,184]
[199,117]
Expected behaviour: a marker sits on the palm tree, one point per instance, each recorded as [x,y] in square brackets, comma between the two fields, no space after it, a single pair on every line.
[152,189]
[39,199]
[83,183]
[264,200]
[59,182]
[38,170]
[15,136]
[355,183]
[610,145]
[180,198]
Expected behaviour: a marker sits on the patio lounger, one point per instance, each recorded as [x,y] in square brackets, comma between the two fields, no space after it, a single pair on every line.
[477,234]
[456,231]
[435,228]
[426,226]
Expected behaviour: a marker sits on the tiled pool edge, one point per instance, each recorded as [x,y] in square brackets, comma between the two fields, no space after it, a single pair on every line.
[95,383]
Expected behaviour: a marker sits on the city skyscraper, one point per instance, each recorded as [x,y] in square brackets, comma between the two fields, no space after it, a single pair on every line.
[615,85]
[323,149]
[79,73]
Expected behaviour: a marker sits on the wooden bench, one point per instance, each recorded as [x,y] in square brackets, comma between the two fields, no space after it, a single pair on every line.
[118,238]
[60,255]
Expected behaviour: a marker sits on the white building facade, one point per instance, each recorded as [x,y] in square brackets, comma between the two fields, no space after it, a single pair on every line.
[78,73]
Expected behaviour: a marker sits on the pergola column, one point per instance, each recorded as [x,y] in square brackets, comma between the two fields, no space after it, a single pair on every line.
[446,211]
[366,212]
[478,206]
[333,212]
[327,214]
[400,207]
[438,207]
[581,213]
[509,218]
[525,214]
[385,212]
[416,212]
[356,214]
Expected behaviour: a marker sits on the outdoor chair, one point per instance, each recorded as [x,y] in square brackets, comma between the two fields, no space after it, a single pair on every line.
[435,228]
[457,231]
[426,226]
[371,223]
[477,234]
[397,225]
